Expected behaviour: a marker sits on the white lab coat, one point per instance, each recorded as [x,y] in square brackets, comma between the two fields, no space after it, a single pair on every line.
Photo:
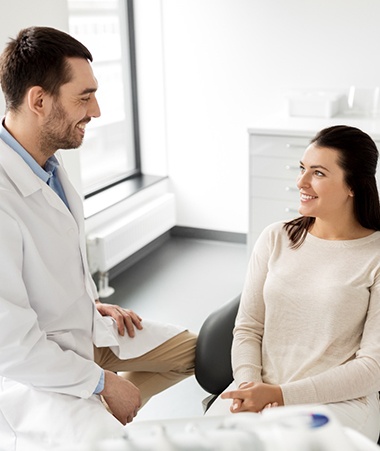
[48,319]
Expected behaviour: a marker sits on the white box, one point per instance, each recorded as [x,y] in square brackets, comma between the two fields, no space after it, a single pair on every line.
[314,104]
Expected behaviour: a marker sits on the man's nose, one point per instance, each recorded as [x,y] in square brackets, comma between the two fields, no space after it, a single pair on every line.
[94,110]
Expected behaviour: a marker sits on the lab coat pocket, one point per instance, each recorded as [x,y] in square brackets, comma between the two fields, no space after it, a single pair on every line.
[64,339]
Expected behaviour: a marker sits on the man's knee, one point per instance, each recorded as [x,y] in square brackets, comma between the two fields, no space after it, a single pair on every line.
[187,343]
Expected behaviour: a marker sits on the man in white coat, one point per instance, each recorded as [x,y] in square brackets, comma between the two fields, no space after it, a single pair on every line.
[60,348]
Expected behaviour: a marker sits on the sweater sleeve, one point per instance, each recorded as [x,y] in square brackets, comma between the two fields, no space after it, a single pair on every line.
[249,326]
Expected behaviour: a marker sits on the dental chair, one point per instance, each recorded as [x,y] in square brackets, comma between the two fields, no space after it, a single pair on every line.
[213,369]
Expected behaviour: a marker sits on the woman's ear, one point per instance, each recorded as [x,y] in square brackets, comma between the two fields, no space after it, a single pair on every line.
[36,97]
[351,193]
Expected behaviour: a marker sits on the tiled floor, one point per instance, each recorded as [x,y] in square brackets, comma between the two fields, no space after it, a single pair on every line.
[182,282]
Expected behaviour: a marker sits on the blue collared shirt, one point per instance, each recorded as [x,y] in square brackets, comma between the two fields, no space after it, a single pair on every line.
[48,176]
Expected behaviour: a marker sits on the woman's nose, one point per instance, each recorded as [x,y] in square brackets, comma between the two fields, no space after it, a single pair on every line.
[303,180]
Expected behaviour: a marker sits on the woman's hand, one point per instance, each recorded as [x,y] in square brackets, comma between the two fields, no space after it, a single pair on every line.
[254,397]
[125,318]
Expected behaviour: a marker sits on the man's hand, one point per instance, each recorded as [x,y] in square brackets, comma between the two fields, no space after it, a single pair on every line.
[125,319]
[122,397]
[254,397]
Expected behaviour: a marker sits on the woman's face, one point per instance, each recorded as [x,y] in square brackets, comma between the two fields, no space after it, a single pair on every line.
[323,192]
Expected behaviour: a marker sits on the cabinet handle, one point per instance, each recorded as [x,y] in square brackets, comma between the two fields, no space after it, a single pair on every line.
[291,188]
[291,210]
[295,146]
[292,167]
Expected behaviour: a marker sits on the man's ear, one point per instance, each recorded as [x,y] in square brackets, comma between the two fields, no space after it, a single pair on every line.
[37,100]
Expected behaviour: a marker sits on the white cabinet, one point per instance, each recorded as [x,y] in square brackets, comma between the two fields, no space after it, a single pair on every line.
[276,147]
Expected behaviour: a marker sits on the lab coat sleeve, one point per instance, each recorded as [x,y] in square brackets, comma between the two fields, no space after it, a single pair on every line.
[27,355]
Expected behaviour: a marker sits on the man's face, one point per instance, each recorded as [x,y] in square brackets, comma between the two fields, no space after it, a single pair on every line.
[64,127]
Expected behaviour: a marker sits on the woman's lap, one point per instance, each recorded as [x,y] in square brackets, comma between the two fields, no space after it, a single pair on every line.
[362,415]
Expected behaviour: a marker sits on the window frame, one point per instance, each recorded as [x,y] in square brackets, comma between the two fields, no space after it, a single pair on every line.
[131,44]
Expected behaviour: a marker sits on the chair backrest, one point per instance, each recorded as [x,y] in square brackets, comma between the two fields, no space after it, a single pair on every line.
[213,369]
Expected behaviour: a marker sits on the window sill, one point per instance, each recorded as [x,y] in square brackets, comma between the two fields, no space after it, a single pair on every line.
[118,193]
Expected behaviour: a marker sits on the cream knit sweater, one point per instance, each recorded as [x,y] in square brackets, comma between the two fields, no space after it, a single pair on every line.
[309,319]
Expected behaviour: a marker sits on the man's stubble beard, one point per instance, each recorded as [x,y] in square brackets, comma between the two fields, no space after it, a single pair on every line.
[57,132]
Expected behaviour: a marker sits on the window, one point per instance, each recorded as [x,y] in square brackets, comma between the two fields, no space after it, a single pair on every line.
[110,151]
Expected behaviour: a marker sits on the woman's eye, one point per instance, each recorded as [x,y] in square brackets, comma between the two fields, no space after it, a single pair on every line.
[319,174]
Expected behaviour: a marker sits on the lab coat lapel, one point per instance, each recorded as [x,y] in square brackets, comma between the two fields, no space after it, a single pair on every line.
[76,208]
[29,184]
[26,180]
[18,171]
[72,196]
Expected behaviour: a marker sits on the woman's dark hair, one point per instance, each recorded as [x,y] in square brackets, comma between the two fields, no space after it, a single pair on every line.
[37,57]
[358,157]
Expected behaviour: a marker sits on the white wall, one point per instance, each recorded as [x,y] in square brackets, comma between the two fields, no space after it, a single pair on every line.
[229,61]
[151,86]
[207,68]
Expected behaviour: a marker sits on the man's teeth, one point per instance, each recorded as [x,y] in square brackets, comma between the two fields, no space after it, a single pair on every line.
[82,126]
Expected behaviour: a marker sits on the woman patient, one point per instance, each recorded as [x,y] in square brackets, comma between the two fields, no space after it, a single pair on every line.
[308,326]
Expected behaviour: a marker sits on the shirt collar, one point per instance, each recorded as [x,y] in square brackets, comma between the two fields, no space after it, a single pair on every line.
[50,165]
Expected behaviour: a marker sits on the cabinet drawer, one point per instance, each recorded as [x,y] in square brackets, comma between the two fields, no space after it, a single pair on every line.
[269,188]
[263,212]
[279,146]
[284,168]
[275,210]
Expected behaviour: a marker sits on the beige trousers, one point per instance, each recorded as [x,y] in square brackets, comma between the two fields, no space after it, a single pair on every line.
[156,370]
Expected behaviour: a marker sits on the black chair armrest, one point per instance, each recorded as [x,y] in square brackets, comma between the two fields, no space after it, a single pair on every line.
[213,369]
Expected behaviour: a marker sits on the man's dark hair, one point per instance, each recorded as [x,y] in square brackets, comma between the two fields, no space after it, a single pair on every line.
[37,57]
